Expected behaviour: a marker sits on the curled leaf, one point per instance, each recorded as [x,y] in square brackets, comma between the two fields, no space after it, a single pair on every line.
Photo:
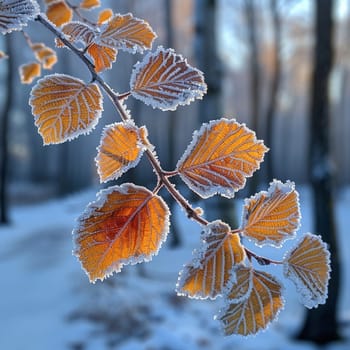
[211,268]
[257,310]
[125,32]
[308,266]
[120,149]
[125,225]
[165,80]
[65,107]
[272,217]
[28,72]
[15,14]
[220,157]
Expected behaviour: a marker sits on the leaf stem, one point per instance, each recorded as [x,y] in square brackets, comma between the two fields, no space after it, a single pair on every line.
[260,259]
[124,95]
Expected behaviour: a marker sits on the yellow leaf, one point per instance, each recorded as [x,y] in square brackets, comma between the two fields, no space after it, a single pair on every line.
[126,225]
[128,33]
[15,14]
[104,16]
[165,80]
[28,72]
[308,266]
[257,309]
[90,4]
[65,107]
[211,268]
[120,149]
[59,13]
[272,217]
[220,157]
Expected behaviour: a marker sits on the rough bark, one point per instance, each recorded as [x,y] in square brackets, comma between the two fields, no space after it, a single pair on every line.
[4,129]
[321,324]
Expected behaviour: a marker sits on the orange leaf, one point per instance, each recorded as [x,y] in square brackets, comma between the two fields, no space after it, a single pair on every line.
[65,107]
[257,309]
[104,16]
[120,149]
[308,266]
[220,157]
[128,33]
[89,4]
[47,57]
[102,56]
[59,13]
[14,14]
[28,72]
[272,217]
[126,225]
[78,32]
[211,268]
[165,80]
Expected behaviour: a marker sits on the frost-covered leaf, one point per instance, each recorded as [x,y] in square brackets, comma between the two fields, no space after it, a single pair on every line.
[257,310]
[15,14]
[104,16]
[239,287]
[165,80]
[120,149]
[220,157]
[102,56]
[65,107]
[58,12]
[128,33]
[28,72]
[90,4]
[210,269]
[272,217]
[125,225]
[308,266]
[78,32]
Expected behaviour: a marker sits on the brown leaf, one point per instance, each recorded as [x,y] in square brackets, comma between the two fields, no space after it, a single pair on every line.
[272,217]
[222,154]
[28,72]
[65,107]
[211,268]
[308,266]
[125,225]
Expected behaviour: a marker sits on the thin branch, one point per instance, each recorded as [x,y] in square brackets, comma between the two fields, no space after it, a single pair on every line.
[115,98]
[76,10]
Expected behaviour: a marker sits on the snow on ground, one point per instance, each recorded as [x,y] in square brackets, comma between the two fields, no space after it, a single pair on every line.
[46,301]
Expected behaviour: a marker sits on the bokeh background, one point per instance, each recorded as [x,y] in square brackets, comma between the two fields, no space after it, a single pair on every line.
[280,66]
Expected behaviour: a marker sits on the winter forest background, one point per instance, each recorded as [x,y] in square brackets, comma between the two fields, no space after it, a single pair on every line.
[280,66]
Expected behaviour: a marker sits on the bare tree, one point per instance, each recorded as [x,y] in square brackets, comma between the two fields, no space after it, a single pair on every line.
[4,129]
[275,82]
[255,78]
[321,323]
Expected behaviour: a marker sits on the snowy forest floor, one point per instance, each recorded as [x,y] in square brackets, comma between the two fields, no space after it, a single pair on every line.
[46,301]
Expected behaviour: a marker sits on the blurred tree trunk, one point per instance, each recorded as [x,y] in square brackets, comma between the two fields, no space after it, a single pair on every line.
[209,62]
[175,239]
[255,79]
[275,82]
[5,131]
[321,324]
